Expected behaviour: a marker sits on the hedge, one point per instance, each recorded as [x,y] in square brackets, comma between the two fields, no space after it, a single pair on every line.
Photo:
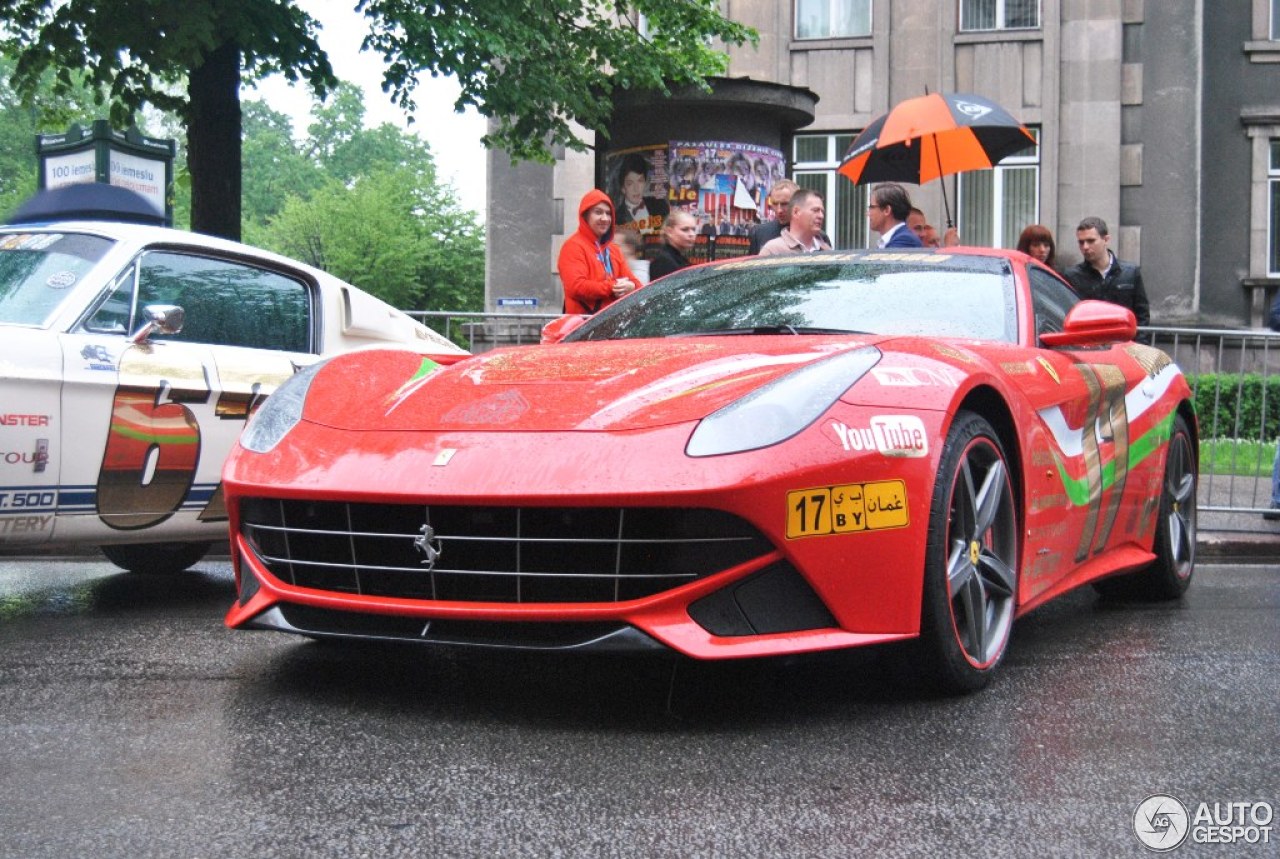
[1241,409]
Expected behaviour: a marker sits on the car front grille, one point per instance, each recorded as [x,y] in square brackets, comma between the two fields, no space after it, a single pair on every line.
[494,554]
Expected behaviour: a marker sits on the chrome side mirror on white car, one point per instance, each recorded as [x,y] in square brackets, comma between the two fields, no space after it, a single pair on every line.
[164,318]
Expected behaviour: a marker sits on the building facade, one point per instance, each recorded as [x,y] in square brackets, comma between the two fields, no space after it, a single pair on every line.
[1160,116]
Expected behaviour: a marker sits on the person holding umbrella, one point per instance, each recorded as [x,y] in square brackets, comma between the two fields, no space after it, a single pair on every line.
[887,214]
[934,135]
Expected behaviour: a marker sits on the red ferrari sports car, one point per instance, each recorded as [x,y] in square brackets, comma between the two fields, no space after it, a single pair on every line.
[765,456]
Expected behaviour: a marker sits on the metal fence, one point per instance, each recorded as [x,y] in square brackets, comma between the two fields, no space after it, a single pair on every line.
[480,332]
[1235,376]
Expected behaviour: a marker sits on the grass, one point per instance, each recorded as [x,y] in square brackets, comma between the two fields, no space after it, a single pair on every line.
[1236,456]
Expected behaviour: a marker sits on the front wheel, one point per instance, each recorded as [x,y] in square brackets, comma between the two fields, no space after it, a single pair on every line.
[156,557]
[971,561]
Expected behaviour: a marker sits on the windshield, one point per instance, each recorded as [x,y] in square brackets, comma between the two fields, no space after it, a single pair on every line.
[38,270]
[940,295]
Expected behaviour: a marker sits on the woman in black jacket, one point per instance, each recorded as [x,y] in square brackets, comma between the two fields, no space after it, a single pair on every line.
[679,232]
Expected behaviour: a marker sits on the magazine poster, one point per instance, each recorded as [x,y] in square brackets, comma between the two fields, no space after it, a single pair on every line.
[724,184]
[637,181]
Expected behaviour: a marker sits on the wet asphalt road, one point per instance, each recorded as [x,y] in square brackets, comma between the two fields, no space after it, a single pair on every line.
[133,724]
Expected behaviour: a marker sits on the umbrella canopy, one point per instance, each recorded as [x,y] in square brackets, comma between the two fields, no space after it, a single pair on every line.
[922,139]
[87,201]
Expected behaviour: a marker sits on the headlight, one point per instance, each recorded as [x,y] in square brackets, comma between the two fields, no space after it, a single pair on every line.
[781,408]
[280,413]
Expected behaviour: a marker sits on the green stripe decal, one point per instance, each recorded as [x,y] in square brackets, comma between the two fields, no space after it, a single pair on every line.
[1078,490]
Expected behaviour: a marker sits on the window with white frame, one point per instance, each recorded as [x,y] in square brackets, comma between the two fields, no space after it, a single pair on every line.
[816,158]
[999,14]
[1273,222]
[1275,20]
[828,19]
[995,205]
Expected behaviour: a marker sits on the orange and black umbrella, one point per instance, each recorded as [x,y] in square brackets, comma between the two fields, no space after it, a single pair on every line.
[922,139]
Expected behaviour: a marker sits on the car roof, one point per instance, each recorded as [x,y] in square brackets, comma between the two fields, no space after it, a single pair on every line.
[143,234]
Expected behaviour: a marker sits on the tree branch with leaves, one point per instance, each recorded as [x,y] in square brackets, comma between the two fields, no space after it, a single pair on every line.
[538,68]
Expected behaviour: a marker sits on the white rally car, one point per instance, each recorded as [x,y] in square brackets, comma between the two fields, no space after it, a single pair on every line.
[130,358]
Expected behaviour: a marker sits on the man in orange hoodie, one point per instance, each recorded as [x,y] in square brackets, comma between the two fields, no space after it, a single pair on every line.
[591,266]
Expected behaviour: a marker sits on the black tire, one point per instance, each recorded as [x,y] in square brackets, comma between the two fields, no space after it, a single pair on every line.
[971,561]
[1169,575]
[156,557]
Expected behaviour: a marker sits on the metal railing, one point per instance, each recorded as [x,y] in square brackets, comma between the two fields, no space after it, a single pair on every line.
[480,332]
[1235,377]
[1234,374]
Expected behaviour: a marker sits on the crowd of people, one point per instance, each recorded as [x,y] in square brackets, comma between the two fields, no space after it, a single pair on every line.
[597,270]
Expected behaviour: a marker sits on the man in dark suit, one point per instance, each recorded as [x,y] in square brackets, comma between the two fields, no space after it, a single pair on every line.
[767,231]
[887,214]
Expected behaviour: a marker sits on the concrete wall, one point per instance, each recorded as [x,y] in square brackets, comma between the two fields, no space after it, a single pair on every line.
[519,226]
[1233,85]
[1160,141]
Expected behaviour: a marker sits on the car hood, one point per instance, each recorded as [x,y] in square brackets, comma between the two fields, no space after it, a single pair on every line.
[608,385]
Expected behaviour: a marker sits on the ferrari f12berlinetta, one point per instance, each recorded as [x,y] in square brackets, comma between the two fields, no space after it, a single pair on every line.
[763,456]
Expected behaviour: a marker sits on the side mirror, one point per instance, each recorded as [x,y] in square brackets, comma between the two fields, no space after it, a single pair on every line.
[164,318]
[558,329]
[1093,323]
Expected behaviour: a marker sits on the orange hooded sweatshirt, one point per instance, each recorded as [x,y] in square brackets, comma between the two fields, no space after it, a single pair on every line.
[588,268]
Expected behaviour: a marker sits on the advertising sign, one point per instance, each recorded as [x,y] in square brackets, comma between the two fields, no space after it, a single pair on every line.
[637,182]
[723,184]
[145,176]
[69,168]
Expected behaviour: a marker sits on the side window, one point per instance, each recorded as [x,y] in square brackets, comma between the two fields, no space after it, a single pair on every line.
[1273,195]
[228,303]
[114,314]
[999,14]
[1050,300]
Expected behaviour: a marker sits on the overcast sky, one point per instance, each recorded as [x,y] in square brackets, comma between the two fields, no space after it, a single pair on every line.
[454,138]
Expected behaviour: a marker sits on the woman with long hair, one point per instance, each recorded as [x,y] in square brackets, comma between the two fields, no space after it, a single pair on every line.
[1037,242]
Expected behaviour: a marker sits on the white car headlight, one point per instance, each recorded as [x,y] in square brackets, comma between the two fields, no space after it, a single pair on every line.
[280,413]
[782,408]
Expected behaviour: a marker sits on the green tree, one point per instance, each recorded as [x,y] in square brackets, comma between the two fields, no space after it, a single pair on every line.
[539,67]
[188,58]
[275,167]
[535,66]
[20,121]
[338,139]
[394,233]
[368,207]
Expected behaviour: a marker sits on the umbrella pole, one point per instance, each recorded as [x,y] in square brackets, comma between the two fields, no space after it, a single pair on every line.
[943,181]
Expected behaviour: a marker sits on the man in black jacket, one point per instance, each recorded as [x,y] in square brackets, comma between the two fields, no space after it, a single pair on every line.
[1100,275]
[767,231]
